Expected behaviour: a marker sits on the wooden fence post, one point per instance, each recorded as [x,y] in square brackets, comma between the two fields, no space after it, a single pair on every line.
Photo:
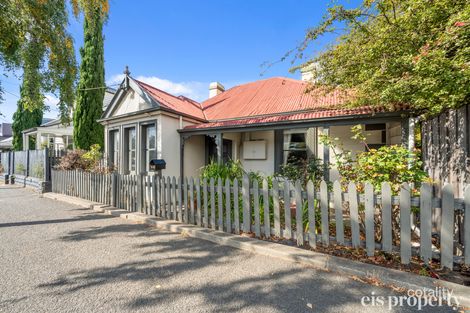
[338,204]
[466,226]
[276,209]
[168,198]
[191,200]
[179,215]
[312,240]
[220,204]
[198,202]
[236,209]
[369,215]
[212,192]
[447,227]
[386,217]
[287,211]
[140,192]
[205,218]
[405,224]
[267,219]
[246,204]
[354,214]
[298,214]
[425,222]
[228,205]
[113,189]
[325,221]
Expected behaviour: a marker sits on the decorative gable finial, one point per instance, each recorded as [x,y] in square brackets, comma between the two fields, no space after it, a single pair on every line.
[126,71]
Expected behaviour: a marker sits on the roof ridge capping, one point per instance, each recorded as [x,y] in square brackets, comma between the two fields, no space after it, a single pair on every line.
[166,92]
[177,104]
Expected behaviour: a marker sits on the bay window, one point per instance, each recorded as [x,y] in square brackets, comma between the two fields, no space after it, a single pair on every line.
[149,145]
[114,146]
[130,137]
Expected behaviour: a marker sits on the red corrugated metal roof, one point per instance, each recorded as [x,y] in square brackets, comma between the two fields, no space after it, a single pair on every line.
[270,100]
[179,104]
[268,96]
[293,116]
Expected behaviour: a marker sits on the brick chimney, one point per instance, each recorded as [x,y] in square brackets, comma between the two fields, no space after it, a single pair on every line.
[215,88]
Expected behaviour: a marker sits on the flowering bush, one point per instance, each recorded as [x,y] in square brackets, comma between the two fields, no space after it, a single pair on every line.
[84,160]
[73,160]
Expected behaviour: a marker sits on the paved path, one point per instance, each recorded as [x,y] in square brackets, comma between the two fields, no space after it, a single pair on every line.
[56,257]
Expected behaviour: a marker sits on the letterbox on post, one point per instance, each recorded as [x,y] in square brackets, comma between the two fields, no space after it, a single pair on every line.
[157,165]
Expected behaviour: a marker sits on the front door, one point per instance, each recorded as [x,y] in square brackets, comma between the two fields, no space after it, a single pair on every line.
[211,150]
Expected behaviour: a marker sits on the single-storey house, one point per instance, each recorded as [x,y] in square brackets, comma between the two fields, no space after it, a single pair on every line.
[263,124]
[52,133]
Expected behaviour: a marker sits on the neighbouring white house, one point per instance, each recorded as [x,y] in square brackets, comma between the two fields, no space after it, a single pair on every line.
[6,137]
[54,134]
[263,124]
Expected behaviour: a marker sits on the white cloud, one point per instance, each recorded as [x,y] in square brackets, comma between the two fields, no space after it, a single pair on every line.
[50,100]
[195,90]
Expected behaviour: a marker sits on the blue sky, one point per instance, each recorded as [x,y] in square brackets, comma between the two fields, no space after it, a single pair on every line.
[182,45]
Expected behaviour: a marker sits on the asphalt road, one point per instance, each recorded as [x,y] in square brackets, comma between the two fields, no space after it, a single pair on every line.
[57,257]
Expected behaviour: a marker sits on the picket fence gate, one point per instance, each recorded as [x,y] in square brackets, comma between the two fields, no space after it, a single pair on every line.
[325,216]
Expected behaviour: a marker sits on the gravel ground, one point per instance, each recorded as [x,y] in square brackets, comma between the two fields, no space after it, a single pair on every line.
[57,257]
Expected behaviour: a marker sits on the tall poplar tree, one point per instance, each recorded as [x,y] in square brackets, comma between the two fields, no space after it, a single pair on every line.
[23,119]
[90,92]
[30,106]
[44,25]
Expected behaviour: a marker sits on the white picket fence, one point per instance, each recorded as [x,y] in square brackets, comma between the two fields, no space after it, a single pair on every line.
[285,210]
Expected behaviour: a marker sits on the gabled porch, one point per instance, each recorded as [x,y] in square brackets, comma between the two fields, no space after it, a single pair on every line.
[53,135]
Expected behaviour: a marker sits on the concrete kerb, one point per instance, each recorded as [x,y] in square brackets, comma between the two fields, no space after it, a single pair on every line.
[384,276]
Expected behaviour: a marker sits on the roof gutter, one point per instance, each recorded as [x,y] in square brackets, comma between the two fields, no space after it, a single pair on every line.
[317,122]
[148,111]
[29,130]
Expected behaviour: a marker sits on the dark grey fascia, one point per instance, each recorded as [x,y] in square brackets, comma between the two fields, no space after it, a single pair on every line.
[318,122]
[148,111]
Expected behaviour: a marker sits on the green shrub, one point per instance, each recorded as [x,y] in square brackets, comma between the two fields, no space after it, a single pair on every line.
[303,170]
[20,168]
[83,160]
[38,170]
[394,164]
[230,170]
[93,156]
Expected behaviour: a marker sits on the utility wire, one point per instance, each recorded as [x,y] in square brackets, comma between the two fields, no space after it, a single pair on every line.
[11,93]
[94,88]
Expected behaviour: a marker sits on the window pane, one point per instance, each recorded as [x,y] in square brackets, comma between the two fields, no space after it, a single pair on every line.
[132,160]
[295,147]
[132,139]
[152,155]
[116,140]
[151,137]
